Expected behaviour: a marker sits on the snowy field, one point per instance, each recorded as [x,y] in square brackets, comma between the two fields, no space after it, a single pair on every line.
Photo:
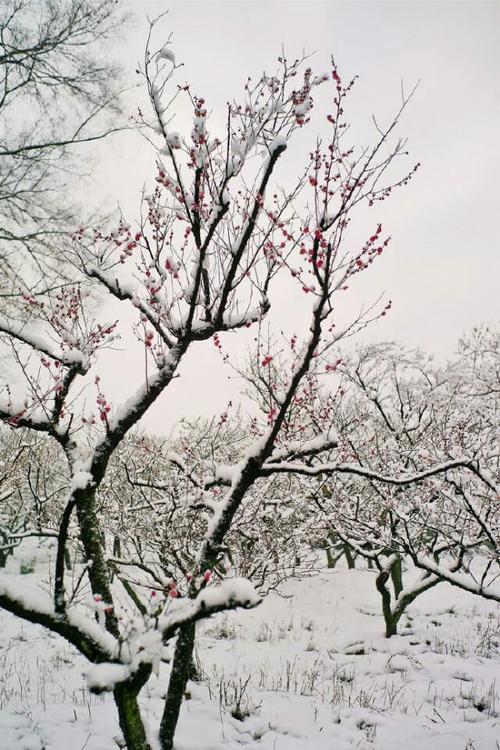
[307,670]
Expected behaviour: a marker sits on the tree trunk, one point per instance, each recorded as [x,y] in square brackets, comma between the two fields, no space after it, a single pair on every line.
[328,544]
[330,558]
[351,564]
[91,537]
[397,577]
[129,715]
[194,674]
[67,559]
[392,614]
[391,622]
[179,675]
[369,560]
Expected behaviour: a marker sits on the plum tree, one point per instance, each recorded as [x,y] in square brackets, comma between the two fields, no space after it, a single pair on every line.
[204,258]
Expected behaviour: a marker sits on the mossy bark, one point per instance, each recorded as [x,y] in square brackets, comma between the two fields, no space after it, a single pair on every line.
[91,537]
[129,716]
[183,658]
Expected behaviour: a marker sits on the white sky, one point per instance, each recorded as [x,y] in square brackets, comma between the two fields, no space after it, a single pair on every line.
[441,270]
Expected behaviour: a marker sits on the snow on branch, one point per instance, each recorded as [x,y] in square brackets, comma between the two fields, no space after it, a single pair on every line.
[121,291]
[304,449]
[354,469]
[225,474]
[31,335]
[465,582]
[16,414]
[230,594]
[34,606]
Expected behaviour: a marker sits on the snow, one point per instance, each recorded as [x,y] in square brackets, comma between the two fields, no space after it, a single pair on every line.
[75,357]
[224,473]
[252,315]
[173,140]
[255,449]
[278,142]
[464,582]
[357,470]
[134,402]
[230,594]
[307,447]
[102,677]
[36,417]
[321,676]
[166,53]
[81,480]
[33,335]
[29,597]
[234,591]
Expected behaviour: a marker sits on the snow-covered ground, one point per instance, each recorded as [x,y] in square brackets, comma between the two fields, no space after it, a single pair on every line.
[307,670]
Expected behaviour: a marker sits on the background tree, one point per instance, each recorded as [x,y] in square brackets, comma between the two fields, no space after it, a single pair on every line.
[32,489]
[400,413]
[58,92]
[156,530]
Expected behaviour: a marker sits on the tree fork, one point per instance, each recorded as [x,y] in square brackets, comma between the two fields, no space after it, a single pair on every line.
[391,622]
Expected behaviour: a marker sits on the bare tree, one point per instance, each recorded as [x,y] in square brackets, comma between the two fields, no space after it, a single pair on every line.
[58,91]
[155,530]
[415,474]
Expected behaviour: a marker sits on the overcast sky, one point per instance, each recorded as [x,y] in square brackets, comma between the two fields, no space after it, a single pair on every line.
[441,271]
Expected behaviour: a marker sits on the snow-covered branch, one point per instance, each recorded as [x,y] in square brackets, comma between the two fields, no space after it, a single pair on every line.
[33,336]
[229,594]
[360,471]
[81,631]
[461,580]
